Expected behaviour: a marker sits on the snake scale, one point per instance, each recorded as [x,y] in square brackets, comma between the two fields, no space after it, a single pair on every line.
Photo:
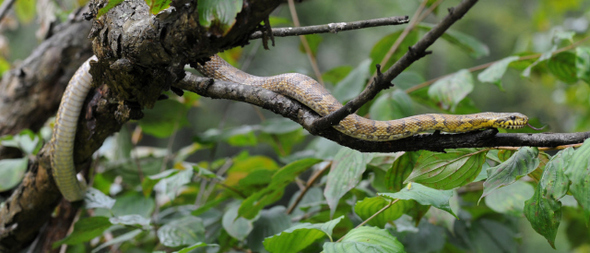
[297,86]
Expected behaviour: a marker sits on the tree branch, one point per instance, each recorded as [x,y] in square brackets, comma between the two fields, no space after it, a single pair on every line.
[333,27]
[383,81]
[297,112]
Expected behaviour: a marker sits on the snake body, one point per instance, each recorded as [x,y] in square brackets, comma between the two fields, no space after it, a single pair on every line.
[297,86]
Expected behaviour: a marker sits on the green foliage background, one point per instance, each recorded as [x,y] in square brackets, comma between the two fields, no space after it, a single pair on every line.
[220,176]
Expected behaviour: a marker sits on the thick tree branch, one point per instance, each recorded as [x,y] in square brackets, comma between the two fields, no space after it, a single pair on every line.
[437,142]
[383,81]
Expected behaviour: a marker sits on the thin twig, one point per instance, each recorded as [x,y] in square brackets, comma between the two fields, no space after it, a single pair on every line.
[310,183]
[310,55]
[485,65]
[334,27]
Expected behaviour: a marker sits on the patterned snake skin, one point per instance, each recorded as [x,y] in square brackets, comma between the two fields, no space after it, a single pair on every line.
[309,92]
[297,86]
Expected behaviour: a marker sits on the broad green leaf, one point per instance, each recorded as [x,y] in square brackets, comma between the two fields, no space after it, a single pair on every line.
[237,227]
[279,126]
[219,14]
[510,199]
[195,246]
[187,230]
[313,40]
[353,83]
[111,4]
[270,222]
[148,183]
[13,172]
[274,191]
[242,167]
[345,173]
[495,72]
[383,46]
[131,220]
[158,5]
[96,199]
[425,196]
[279,21]
[369,206]
[543,210]
[134,203]
[392,105]
[450,90]
[583,63]
[523,162]
[408,79]
[413,237]
[165,118]
[85,229]
[466,43]
[545,56]
[578,173]
[119,239]
[400,170]
[365,240]
[336,74]
[486,236]
[171,185]
[299,236]
[449,170]
[563,66]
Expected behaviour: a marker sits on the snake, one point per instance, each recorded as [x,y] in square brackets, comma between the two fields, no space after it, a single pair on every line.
[297,86]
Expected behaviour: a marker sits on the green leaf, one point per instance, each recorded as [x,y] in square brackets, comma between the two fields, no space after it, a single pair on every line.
[364,240]
[131,220]
[274,191]
[299,236]
[172,184]
[383,46]
[111,4]
[392,105]
[279,126]
[450,90]
[345,173]
[25,10]
[336,74]
[119,239]
[85,230]
[583,63]
[545,56]
[543,209]
[369,206]
[563,66]
[165,118]
[96,199]
[13,172]
[400,170]
[578,173]
[187,230]
[270,222]
[237,227]
[279,21]
[466,43]
[195,246]
[158,5]
[495,72]
[510,199]
[353,83]
[449,170]
[523,162]
[134,203]
[219,15]
[425,196]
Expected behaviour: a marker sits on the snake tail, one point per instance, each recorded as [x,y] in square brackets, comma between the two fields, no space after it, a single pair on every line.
[64,134]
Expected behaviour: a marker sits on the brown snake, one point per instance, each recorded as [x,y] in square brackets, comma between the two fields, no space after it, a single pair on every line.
[297,86]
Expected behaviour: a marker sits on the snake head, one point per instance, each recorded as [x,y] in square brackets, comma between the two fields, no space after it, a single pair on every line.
[513,120]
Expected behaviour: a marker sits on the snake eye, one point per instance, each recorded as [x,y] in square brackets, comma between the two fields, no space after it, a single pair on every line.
[513,117]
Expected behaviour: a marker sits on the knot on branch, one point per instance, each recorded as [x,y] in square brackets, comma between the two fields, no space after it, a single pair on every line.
[380,81]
